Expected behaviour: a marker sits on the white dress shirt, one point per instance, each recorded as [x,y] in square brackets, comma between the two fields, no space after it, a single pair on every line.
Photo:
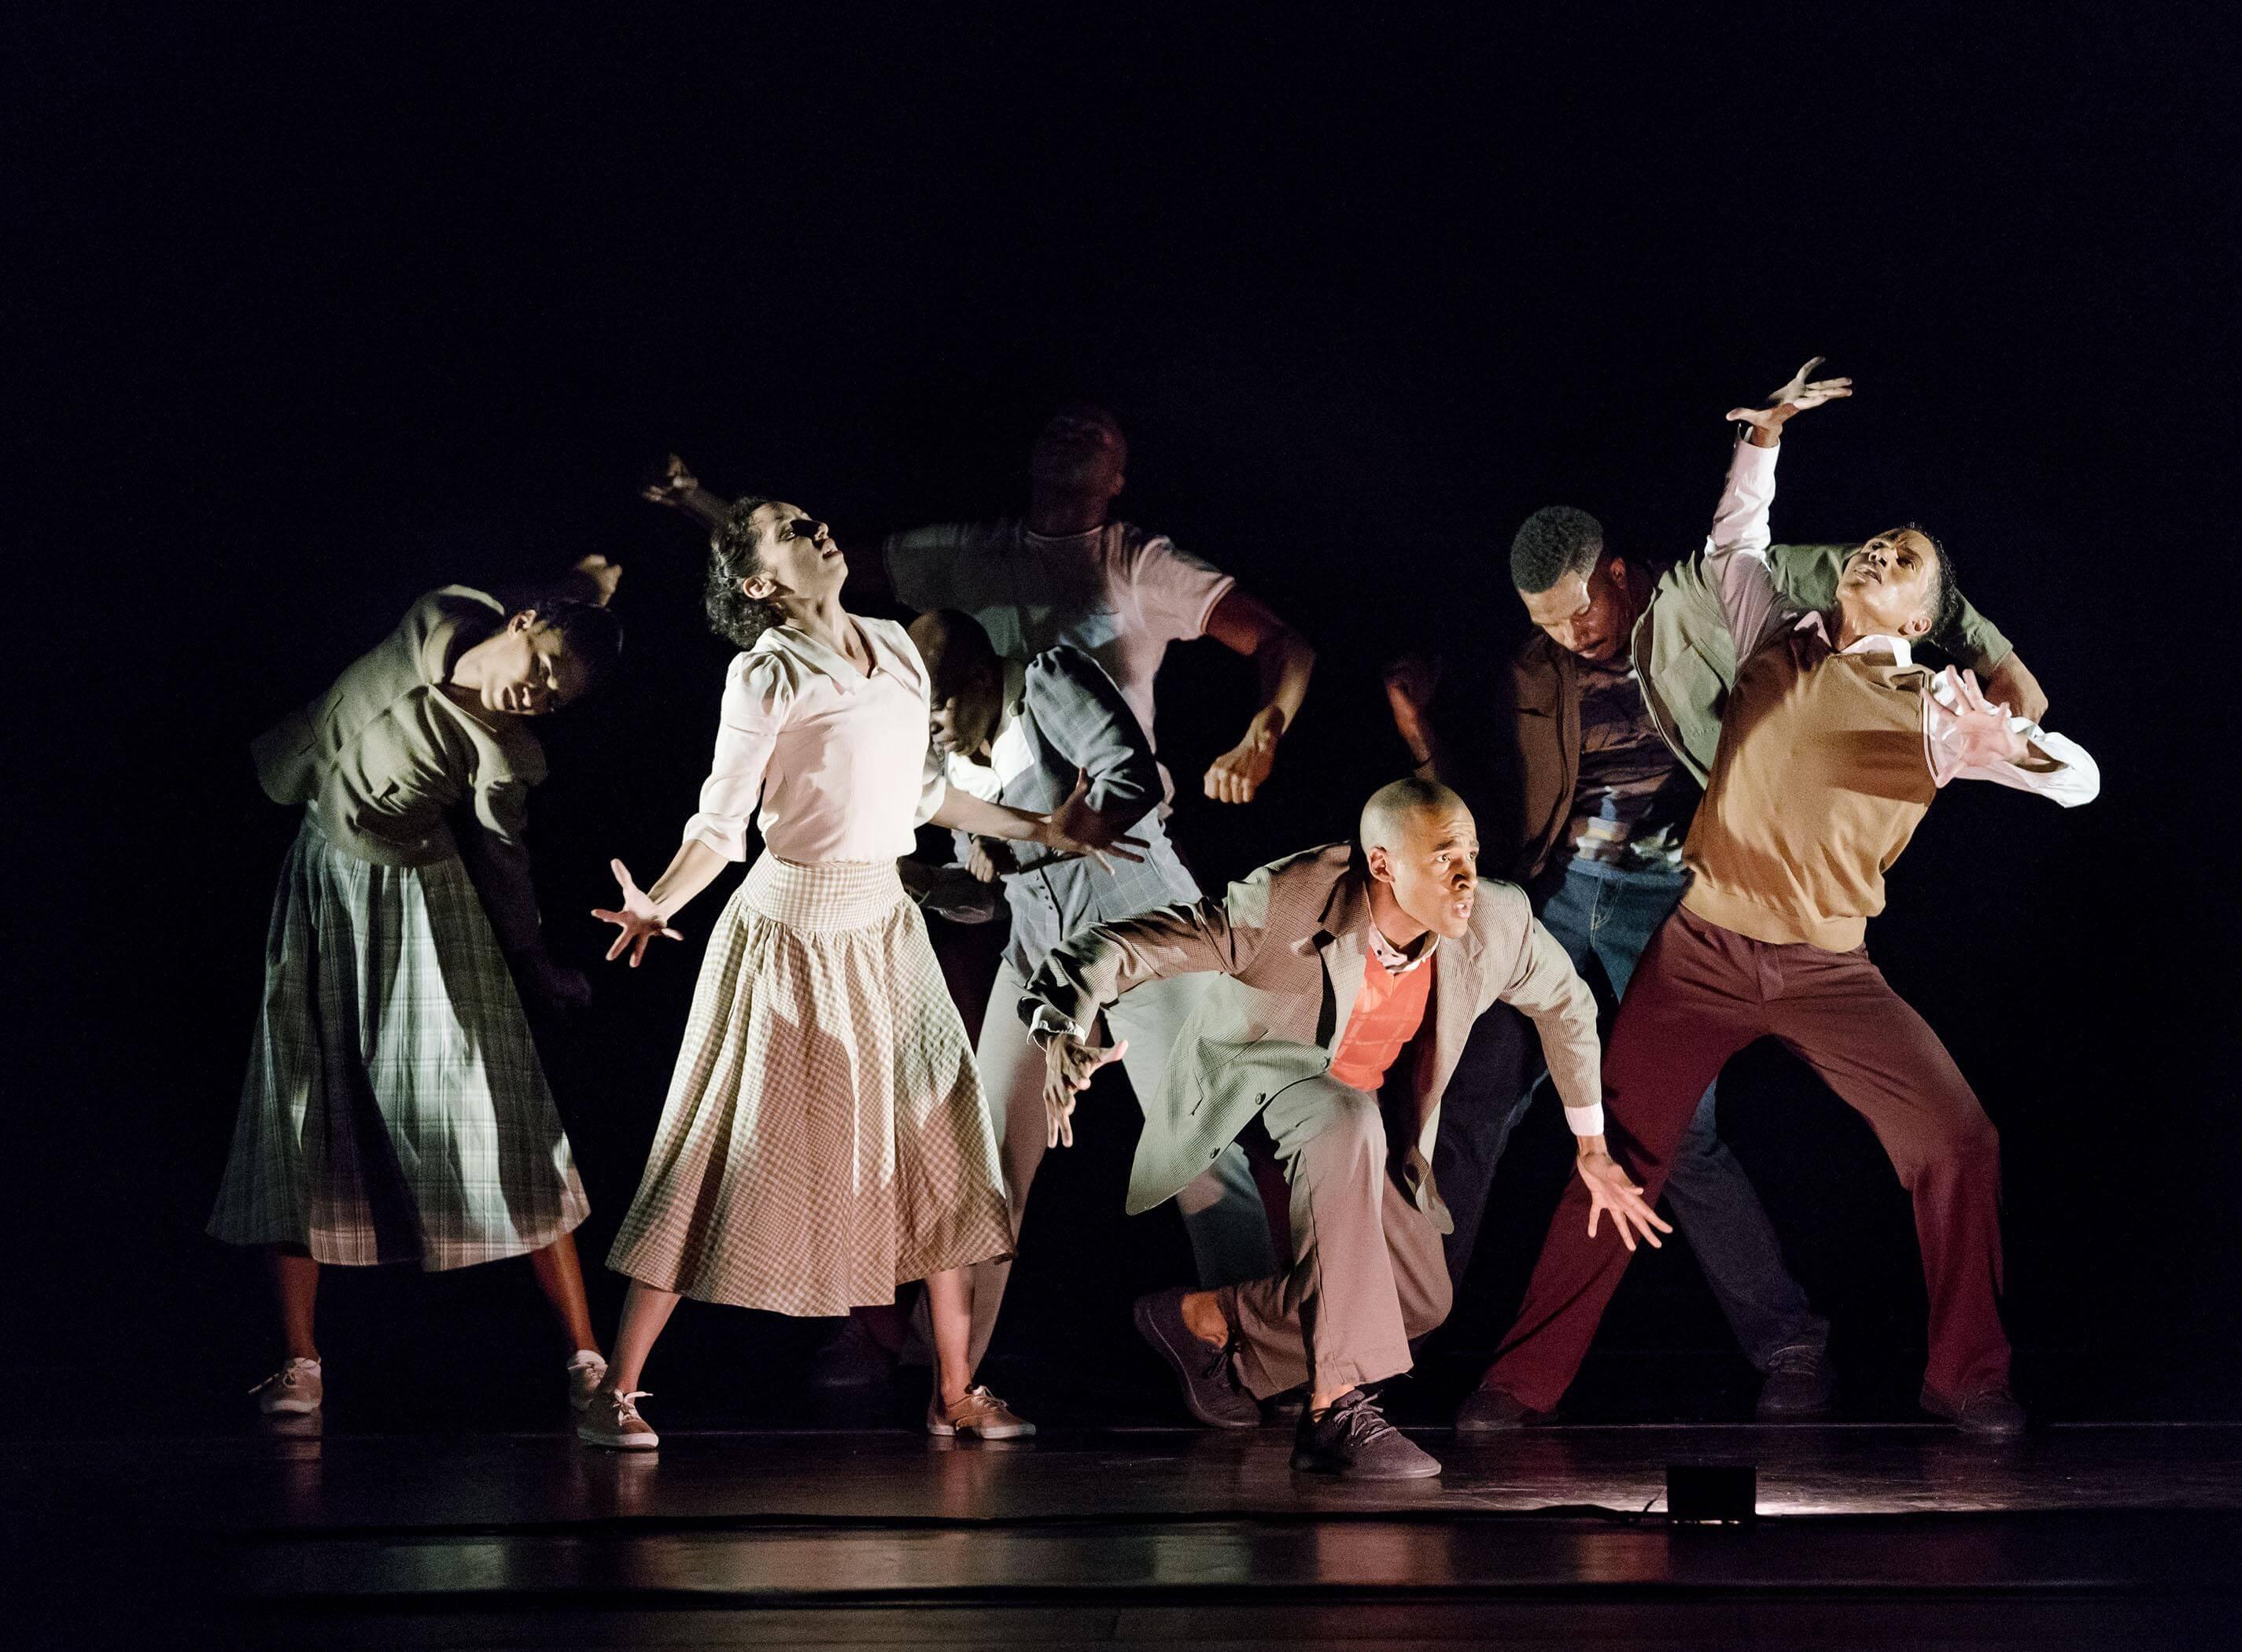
[837,758]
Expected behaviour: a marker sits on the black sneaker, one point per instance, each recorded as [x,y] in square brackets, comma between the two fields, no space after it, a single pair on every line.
[1488,1410]
[1211,1390]
[1799,1383]
[1992,1413]
[1354,1440]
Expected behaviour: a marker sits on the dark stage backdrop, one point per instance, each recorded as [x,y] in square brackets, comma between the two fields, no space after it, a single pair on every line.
[311,315]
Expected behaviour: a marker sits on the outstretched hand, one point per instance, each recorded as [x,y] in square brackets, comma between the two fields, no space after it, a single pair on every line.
[639,920]
[1611,1191]
[668,481]
[1981,728]
[1792,399]
[1074,828]
[1068,1065]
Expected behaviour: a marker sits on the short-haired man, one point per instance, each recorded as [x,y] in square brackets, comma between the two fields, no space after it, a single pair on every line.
[1332,969]
[1615,700]
[1833,742]
[1038,735]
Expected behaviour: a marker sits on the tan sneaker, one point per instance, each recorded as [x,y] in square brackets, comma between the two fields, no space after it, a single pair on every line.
[587,1371]
[293,1390]
[980,1412]
[612,1420]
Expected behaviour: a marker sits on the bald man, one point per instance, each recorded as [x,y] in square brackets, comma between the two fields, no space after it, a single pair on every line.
[1347,978]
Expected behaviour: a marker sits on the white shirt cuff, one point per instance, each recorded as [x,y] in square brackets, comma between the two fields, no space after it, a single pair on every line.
[1047,1024]
[1586,1121]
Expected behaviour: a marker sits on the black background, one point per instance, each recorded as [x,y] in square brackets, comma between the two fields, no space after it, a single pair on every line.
[312,315]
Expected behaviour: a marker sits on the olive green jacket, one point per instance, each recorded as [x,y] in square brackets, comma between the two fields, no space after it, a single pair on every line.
[1687,662]
[387,762]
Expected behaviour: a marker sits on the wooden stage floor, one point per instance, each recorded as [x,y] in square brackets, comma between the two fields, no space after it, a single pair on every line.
[287,1535]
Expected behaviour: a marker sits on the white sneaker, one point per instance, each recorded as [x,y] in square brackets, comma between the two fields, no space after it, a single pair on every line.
[612,1420]
[295,1389]
[587,1371]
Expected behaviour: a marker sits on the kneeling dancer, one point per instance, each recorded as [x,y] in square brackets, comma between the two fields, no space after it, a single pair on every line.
[824,1139]
[1833,743]
[1330,965]
[395,1110]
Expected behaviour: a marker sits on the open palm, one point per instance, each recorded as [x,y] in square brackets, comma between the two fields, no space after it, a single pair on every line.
[1795,397]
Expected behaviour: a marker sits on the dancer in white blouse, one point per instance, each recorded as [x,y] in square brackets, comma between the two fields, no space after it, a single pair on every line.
[825,1138]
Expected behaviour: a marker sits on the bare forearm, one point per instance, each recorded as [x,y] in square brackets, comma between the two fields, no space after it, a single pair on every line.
[961,811]
[690,870]
[1285,661]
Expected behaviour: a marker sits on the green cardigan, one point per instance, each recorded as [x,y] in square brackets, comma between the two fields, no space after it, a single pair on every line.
[1686,660]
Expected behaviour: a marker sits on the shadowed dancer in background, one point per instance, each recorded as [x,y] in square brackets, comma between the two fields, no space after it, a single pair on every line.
[1068,572]
[824,1138]
[395,1110]
[1833,743]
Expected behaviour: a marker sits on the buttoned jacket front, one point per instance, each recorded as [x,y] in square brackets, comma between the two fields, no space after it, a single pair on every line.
[1290,942]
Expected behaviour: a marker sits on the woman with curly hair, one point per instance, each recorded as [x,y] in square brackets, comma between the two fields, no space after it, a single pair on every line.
[825,1139]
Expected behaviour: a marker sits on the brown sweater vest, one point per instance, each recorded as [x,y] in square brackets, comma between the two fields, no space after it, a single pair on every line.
[1821,777]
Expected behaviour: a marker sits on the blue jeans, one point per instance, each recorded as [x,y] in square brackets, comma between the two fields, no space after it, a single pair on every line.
[1611,915]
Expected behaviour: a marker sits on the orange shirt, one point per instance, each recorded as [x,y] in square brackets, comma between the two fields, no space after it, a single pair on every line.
[1386,1015]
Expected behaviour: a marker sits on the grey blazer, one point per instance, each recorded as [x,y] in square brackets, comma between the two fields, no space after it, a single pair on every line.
[1074,720]
[1290,942]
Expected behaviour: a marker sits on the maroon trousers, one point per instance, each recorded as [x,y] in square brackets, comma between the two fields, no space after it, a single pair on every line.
[1700,994]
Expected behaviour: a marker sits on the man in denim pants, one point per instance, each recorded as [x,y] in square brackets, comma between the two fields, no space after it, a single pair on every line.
[1616,701]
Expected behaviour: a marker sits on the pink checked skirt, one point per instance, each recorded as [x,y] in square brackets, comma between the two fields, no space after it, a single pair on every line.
[825,1138]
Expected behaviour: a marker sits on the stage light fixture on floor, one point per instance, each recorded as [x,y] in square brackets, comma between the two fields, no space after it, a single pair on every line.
[1712,1494]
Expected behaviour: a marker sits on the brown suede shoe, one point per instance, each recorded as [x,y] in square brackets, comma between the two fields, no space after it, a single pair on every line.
[980,1412]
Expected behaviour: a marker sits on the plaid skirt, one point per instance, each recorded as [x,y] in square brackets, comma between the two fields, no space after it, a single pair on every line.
[395,1110]
[825,1138]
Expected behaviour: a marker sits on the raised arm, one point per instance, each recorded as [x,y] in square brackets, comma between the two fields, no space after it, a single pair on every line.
[1245,624]
[1735,555]
[671,483]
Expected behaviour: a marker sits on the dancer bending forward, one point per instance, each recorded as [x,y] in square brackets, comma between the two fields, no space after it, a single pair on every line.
[825,1138]
[394,1109]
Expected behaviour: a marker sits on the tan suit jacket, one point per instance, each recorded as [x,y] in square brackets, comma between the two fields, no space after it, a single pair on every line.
[1290,942]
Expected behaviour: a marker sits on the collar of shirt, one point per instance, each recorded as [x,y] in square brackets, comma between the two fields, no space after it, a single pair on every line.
[1901,655]
[1396,961]
[836,667]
